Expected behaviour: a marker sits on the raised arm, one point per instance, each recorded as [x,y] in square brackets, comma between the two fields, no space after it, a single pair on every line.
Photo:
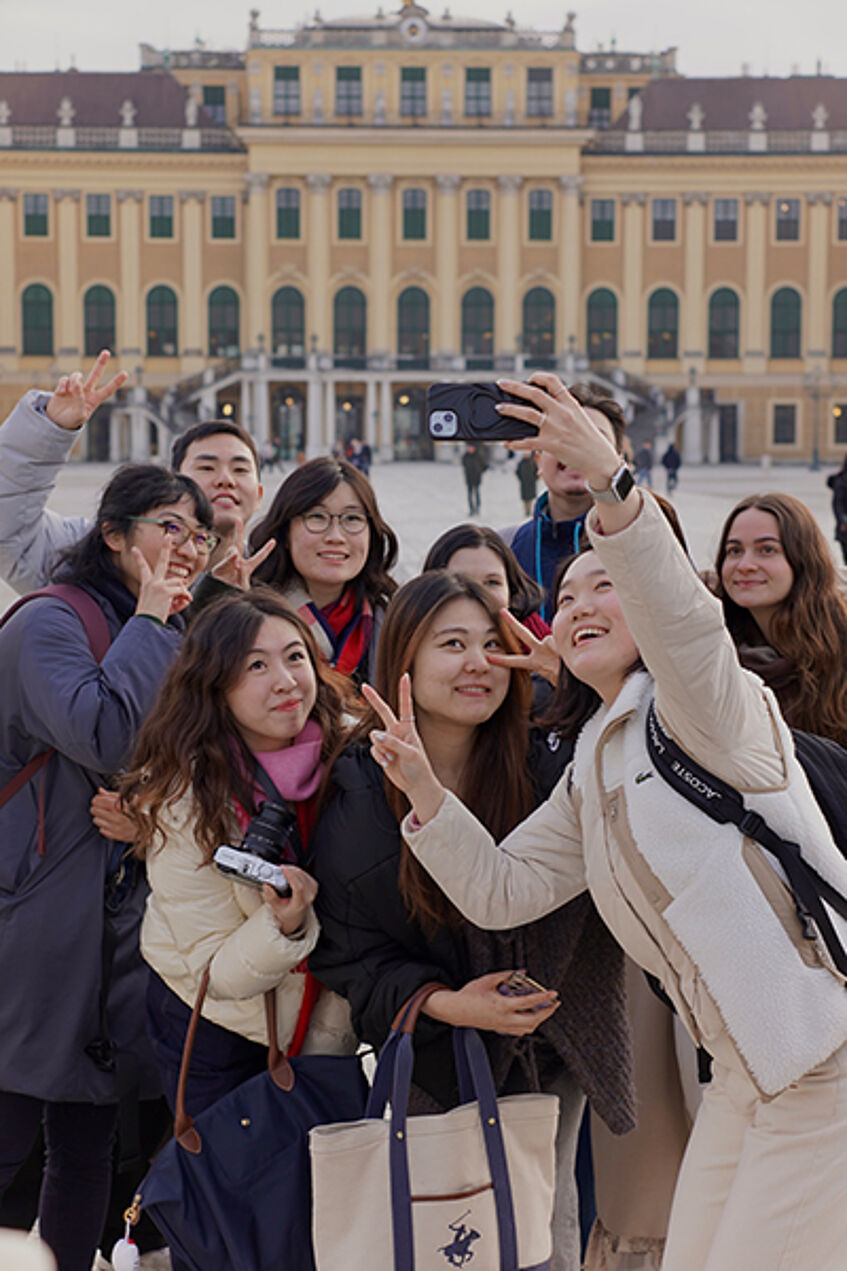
[35,442]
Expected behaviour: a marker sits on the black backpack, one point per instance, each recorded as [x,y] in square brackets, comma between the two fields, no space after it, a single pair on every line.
[825,765]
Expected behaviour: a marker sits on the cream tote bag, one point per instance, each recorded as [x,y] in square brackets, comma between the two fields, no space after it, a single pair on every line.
[472,1187]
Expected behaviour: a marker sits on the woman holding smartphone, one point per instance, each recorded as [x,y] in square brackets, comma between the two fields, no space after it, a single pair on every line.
[387,928]
[698,905]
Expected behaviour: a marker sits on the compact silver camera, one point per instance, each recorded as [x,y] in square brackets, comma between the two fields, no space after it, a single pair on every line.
[272,836]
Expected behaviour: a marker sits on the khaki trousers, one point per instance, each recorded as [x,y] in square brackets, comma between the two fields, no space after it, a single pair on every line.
[763,1184]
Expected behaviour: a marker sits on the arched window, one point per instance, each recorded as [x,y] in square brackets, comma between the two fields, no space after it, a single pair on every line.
[602,325]
[662,324]
[161,322]
[37,321]
[786,311]
[839,324]
[288,326]
[723,323]
[478,328]
[98,308]
[539,327]
[413,328]
[350,314]
[223,323]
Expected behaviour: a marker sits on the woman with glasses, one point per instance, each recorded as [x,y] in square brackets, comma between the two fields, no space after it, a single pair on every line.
[74,692]
[332,559]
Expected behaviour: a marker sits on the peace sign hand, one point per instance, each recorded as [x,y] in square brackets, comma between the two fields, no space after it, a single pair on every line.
[158,595]
[75,400]
[234,567]
[541,657]
[399,751]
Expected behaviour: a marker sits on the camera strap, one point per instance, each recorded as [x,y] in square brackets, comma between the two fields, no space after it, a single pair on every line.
[263,778]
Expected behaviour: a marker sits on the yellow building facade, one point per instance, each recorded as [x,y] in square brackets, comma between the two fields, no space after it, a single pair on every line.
[306,233]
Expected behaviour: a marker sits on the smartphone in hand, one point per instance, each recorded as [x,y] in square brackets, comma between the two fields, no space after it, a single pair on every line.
[519,984]
[466,412]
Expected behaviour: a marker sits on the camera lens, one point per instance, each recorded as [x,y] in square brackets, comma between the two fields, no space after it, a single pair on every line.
[449,417]
[437,428]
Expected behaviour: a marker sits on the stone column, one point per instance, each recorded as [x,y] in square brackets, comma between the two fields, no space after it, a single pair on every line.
[370,414]
[692,428]
[754,344]
[447,341]
[313,418]
[129,307]
[570,321]
[817,315]
[379,339]
[328,425]
[139,429]
[386,421]
[317,259]
[257,261]
[507,317]
[8,238]
[193,318]
[632,336]
[261,410]
[69,308]
[694,335]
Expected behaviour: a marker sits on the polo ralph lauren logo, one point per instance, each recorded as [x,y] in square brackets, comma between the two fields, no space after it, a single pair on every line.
[458,1252]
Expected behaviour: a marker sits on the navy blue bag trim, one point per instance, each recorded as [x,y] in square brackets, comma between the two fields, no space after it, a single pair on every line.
[723,803]
[394,1071]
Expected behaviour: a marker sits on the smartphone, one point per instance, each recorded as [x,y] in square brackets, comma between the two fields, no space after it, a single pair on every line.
[466,412]
[518,984]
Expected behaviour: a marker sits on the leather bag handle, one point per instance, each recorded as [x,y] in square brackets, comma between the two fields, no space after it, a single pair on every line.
[280,1070]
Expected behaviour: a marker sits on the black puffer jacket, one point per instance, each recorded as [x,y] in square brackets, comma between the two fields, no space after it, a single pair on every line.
[370,951]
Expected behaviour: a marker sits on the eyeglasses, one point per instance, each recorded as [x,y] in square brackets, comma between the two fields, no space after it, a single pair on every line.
[319,522]
[179,533]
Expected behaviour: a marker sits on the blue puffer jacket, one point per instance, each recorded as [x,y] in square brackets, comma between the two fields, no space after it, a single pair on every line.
[541,543]
[53,693]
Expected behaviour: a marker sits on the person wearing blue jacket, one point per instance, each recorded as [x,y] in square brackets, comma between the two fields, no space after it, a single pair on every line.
[553,531]
[70,906]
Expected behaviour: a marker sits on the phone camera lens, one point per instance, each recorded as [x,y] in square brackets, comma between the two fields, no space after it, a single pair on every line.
[449,417]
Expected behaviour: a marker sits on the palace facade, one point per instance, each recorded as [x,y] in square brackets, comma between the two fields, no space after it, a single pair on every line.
[304,234]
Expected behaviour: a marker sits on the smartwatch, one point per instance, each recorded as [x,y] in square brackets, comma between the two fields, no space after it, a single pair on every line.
[619,487]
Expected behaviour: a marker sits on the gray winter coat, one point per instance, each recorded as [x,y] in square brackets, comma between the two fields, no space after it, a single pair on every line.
[32,451]
[53,693]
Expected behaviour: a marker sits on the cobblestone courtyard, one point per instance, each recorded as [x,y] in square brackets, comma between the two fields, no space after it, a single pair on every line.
[421,499]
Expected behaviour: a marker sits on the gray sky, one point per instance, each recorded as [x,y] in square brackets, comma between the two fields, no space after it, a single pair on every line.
[714,37]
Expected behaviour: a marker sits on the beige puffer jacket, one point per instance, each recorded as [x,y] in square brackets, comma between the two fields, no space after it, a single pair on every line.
[196,917]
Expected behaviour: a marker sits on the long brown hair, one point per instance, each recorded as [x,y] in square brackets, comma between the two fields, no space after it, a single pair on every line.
[810,625]
[496,784]
[299,492]
[190,741]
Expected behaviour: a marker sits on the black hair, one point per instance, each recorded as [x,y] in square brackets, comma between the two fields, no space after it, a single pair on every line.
[210,428]
[525,595]
[134,490]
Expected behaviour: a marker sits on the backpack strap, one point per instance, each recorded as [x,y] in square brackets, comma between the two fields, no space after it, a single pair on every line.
[722,803]
[99,638]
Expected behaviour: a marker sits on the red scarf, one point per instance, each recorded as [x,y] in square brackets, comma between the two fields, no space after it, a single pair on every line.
[348,629]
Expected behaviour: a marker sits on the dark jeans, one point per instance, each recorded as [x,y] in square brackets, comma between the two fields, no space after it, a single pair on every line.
[220,1061]
[473,499]
[79,1138]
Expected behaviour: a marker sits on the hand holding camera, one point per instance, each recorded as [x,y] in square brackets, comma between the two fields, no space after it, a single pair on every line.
[271,840]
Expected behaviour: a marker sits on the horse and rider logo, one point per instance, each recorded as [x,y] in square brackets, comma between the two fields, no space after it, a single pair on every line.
[458,1252]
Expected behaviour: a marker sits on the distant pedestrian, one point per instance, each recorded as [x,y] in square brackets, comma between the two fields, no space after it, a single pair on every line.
[527,474]
[838,485]
[644,465]
[360,455]
[671,462]
[473,462]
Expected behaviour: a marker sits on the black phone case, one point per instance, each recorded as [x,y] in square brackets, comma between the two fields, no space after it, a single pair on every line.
[472,405]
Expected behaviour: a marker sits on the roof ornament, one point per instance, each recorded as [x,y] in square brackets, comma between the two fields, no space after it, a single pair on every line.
[127,113]
[820,115]
[5,113]
[695,117]
[635,110]
[66,113]
[191,112]
[758,117]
